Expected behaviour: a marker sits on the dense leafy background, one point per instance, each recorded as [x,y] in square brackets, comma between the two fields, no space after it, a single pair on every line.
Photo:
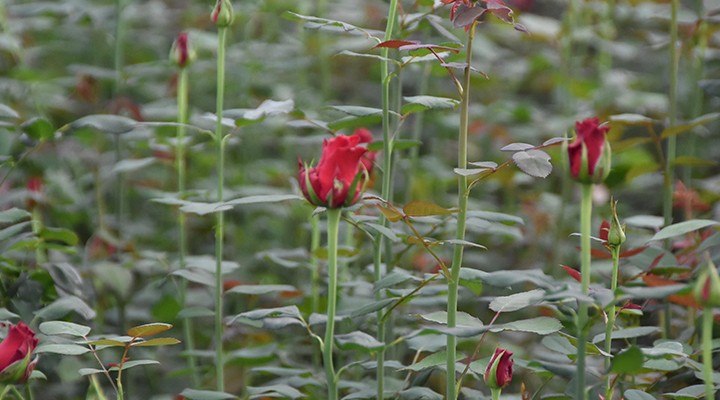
[106,256]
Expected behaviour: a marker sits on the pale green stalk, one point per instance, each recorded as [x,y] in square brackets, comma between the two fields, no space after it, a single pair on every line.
[219,224]
[672,140]
[707,330]
[585,222]
[182,117]
[454,279]
[495,393]
[698,74]
[611,320]
[332,234]
[385,193]
[608,29]
[315,274]
[119,62]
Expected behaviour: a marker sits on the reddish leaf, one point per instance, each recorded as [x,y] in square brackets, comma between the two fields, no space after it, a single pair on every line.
[686,300]
[573,273]
[395,44]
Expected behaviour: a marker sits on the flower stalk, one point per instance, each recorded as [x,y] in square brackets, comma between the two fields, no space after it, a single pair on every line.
[454,279]
[707,328]
[220,216]
[585,222]
[385,191]
[611,315]
[669,175]
[333,216]
[180,166]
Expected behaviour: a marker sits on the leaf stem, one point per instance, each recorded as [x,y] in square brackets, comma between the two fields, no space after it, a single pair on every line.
[332,234]
[219,225]
[585,222]
[672,140]
[454,279]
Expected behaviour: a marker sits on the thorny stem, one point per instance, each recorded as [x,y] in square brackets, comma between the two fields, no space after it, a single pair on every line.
[219,225]
[454,278]
[333,215]
[379,239]
[585,221]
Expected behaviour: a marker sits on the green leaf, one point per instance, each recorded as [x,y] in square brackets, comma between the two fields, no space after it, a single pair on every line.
[517,147]
[354,122]
[657,292]
[371,308]
[148,329]
[132,165]
[13,215]
[538,325]
[631,119]
[419,393]
[7,112]
[261,289]
[263,199]
[195,312]
[267,108]
[693,161]
[517,301]
[687,393]
[199,208]
[107,342]
[535,163]
[470,171]
[192,394]
[678,129]
[682,228]
[358,111]
[262,313]
[358,340]
[6,315]
[331,25]
[419,208]
[272,391]
[38,128]
[628,333]
[463,319]
[61,235]
[628,361]
[634,394]
[165,341]
[390,214]
[433,360]
[64,349]
[645,221]
[113,124]
[135,363]
[394,278]
[387,232]
[423,103]
[64,328]
[63,306]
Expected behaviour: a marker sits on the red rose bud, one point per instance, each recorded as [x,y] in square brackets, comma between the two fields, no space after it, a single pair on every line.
[368,159]
[341,174]
[589,154]
[16,361]
[707,288]
[499,370]
[35,189]
[182,53]
[222,14]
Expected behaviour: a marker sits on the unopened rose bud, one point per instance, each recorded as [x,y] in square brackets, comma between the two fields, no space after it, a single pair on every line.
[616,232]
[589,154]
[499,370]
[222,15]
[182,52]
[707,287]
